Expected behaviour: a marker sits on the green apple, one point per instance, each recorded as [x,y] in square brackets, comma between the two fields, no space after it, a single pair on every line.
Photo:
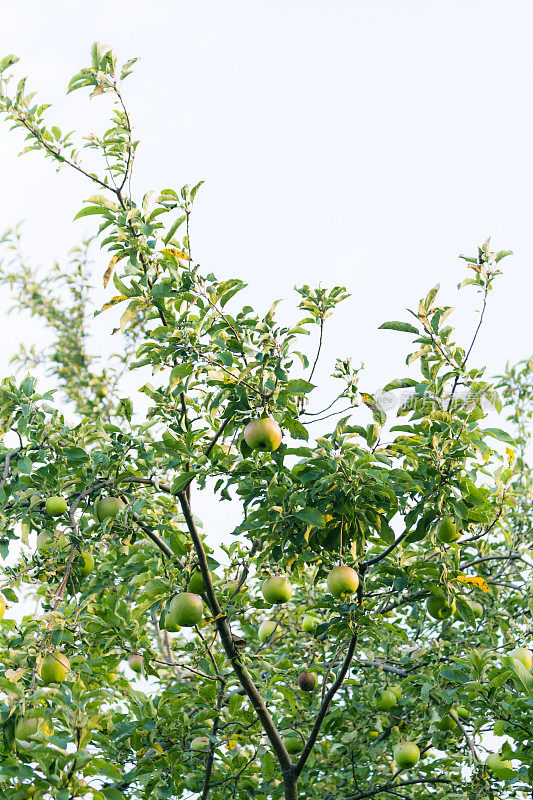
[439,608]
[266,629]
[200,743]
[26,727]
[108,507]
[342,581]
[85,563]
[135,662]
[310,623]
[263,434]
[385,700]
[396,689]
[196,583]
[54,668]
[186,609]
[293,744]
[101,390]
[55,506]
[276,590]
[406,755]
[447,531]
[523,655]
[463,712]
[307,681]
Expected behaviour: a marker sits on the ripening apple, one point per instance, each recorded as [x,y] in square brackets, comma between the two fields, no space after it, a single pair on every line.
[439,608]
[263,434]
[342,581]
[186,609]
[385,700]
[523,655]
[266,629]
[135,662]
[55,506]
[475,607]
[276,590]
[85,563]
[108,507]
[307,681]
[54,668]
[196,584]
[406,755]
[310,623]
[200,743]
[293,744]
[447,531]
[2,606]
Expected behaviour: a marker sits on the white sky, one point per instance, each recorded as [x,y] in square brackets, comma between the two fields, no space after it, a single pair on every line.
[342,141]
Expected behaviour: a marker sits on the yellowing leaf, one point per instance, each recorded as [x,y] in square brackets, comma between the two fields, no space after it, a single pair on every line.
[118,298]
[112,263]
[13,675]
[481,583]
[172,251]
[232,743]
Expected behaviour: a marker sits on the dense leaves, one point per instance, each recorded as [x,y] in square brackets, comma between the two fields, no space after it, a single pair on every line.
[215,710]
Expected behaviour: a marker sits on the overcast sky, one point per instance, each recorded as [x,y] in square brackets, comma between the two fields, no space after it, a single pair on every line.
[352,142]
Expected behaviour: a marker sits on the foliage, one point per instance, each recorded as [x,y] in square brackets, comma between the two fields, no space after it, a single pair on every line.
[369,496]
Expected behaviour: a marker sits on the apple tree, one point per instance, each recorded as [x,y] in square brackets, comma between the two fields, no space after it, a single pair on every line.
[364,631]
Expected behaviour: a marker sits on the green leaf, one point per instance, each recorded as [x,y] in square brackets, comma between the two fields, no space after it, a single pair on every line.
[299,386]
[181,481]
[268,766]
[400,383]
[497,433]
[312,516]
[398,326]
[173,228]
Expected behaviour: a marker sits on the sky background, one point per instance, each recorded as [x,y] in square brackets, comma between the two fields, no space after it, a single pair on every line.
[342,142]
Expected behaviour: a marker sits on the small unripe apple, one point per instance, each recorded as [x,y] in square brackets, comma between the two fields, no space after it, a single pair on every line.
[55,506]
[266,629]
[307,681]
[200,743]
[385,700]
[463,712]
[231,587]
[263,434]
[85,563]
[439,608]
[310,623]
[475,607]
[196,584]
[26,727]
[523,655]
[406,755]
[108,507]
[101,390]
[447,531]
[293,744]
[396,689]
[342,581]
[54,668]
[276,590]
[135,662]
[186,609]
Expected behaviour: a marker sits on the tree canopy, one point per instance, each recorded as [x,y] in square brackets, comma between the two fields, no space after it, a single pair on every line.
[363,632]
